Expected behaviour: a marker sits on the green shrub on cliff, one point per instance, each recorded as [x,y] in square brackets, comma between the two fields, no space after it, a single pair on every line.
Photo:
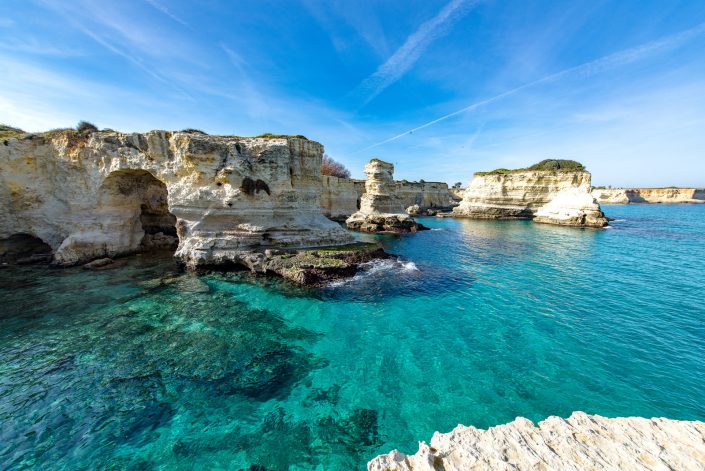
[194,131]
[548,165]
[559,165]
[269,135]
[8,132]
[84,127]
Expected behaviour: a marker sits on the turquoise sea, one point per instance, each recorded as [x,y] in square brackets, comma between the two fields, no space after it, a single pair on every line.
[143,367]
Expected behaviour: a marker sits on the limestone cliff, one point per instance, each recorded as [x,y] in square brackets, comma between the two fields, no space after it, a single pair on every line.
[427,195]
[555,197]
[648,195]
[339,197]
[381,208]
[91,195]
[578,443]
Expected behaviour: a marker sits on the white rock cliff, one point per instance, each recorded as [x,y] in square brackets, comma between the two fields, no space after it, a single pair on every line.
[96,195]
[545,196]
[581,442]
[648,195]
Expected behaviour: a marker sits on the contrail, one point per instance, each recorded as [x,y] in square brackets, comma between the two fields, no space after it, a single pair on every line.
[406,56]
[589,68]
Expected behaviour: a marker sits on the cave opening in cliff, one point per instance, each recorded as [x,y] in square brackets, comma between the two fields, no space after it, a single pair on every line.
[24,248]
[137,205]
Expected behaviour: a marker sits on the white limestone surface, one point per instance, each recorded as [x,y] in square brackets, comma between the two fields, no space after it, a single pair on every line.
[579,443]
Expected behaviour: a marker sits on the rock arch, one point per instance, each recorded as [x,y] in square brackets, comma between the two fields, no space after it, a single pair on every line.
[24,248]
[134,207]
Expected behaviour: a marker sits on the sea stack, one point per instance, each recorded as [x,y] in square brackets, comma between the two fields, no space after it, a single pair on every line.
[551,192]
[381,209]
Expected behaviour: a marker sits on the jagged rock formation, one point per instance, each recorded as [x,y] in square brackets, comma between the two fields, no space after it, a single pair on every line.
[648,195]
[548,196]
[457,194]
[581,442]
[339,197]
[381,209]
[95,195]
[572,207]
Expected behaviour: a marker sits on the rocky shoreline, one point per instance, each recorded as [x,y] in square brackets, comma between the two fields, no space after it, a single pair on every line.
[577,443]
[649,195]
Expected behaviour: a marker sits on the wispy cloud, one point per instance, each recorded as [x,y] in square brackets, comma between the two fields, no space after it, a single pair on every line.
[165,10]
[604,63]
[406,56]
[32,46]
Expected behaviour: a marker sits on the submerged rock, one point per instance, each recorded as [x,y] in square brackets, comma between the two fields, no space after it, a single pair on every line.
[578,443]
[104,264]
[381,209]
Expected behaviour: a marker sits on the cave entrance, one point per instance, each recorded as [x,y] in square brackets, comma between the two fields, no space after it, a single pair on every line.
[24,248]
[137,203]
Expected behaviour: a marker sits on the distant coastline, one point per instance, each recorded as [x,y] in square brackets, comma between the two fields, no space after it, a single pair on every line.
[649,195]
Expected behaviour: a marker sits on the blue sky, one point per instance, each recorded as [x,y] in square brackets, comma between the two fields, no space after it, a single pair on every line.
[617,85]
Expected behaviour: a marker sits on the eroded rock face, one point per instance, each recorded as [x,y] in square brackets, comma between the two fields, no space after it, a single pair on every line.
[339,197]
[342,197]
[648,195]
[578,443]
[426,195]
[549,197]
[381,208]
[572,207]
[97,195]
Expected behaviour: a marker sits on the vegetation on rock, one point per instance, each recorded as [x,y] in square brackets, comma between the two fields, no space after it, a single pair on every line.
[547,165]
[333,168]
[8,132]
[84,127]
[269,135]
[194,131]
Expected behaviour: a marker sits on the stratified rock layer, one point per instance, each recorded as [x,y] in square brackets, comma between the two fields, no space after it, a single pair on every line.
[342,197]
[545,196]
[425,195]
[581,442]
[381,208]
[339,197]
[648,195]
[97,195]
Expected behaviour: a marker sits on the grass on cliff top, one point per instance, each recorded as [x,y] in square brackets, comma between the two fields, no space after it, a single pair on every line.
[8,132]
[548,165]
[269,135]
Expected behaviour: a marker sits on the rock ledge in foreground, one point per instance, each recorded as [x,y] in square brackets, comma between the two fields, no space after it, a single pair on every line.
[578,443]
[314,267]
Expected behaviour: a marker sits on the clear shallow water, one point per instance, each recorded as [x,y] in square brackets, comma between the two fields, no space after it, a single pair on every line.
[483,322]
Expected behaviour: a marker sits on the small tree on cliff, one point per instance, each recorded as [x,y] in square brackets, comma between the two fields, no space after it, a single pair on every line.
[333,168]
[84,127]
